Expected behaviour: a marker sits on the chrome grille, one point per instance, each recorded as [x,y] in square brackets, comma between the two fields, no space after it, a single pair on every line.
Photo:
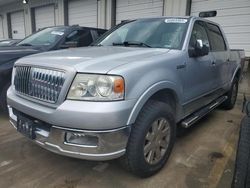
[39,83]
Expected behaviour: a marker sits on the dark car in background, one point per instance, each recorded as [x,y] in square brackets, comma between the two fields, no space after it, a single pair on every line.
[47,39]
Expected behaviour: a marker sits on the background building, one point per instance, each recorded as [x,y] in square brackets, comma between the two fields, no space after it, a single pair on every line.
[19,18]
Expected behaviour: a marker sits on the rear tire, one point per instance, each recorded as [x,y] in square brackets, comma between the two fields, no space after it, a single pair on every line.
[151,140]
[3,98]
[232,96]
[242,165]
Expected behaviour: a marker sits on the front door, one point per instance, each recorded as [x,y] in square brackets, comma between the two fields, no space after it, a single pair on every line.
[199,78]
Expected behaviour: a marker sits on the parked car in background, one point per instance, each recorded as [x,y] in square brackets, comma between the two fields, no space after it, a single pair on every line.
[8,42]
[47,39]
[125,95]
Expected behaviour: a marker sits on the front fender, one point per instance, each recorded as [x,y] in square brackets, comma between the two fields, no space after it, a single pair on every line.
[149,93]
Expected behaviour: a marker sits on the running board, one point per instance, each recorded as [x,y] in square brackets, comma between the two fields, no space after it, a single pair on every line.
[190,120]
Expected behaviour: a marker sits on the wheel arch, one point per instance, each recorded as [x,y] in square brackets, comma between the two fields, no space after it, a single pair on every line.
[164,92]
[237,74]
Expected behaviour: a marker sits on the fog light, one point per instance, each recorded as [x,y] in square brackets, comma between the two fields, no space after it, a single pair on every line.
[81,139]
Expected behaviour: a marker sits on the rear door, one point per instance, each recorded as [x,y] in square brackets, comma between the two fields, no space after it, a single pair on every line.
[220,55]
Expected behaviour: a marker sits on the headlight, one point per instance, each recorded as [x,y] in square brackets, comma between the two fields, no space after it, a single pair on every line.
[97,88]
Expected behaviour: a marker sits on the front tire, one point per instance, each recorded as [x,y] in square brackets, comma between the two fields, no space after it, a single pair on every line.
[151,140]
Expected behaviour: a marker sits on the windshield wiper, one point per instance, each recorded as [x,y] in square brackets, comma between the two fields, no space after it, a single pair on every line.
[134,43]
[25,44]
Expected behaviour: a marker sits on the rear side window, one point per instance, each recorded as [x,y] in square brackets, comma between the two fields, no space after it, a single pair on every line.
[217,42]
[82,37]
[101,32]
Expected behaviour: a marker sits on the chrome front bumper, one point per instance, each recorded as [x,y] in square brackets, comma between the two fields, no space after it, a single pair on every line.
[111,143]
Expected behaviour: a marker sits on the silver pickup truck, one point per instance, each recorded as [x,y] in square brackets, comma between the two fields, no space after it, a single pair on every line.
[125,95]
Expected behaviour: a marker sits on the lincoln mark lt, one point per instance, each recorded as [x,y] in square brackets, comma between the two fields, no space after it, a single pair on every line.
[126,94]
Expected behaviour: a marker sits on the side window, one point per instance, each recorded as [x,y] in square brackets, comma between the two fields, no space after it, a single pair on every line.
[199,33]
[216,39]
[101,32]
[82,37]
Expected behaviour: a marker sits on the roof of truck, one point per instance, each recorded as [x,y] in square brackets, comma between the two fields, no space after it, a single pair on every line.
[174,17]
[74,26]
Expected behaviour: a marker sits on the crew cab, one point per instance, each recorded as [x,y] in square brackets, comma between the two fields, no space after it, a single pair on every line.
[47,39]
[124,96]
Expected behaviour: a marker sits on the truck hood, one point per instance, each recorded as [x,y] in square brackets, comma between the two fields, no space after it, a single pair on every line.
[8,54]
[92,59]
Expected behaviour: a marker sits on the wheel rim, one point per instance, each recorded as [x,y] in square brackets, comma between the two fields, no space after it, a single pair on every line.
[234,93]
[157,141]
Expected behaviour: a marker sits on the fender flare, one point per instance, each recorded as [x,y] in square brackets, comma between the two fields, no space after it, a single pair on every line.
[238,68]
[149,93]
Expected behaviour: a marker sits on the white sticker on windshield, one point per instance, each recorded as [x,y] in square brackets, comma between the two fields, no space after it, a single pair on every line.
[175,20]
[57,33]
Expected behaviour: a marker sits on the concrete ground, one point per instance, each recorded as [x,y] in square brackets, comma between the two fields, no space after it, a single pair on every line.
[203,157]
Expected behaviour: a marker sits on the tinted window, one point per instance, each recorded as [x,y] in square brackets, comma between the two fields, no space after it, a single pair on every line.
[199,33]
[216,38]
[101,32]
[82,37]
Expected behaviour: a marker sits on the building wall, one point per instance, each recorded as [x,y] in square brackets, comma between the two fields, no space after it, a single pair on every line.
[233,16]
[17,6]
[176,7]
[106,12]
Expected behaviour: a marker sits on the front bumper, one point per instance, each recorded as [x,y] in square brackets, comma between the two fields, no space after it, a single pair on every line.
[111,143]
[84,115]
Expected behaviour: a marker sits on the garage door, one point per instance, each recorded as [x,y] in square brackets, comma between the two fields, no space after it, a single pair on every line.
[82,12]
[131,9]
[1,28]
[17,25]
[234,17]
[44,16]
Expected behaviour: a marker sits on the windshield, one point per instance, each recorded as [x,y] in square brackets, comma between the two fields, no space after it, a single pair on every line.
[155,33]
[45,37]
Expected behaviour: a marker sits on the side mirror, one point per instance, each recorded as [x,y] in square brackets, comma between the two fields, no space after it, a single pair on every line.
[69,44]
[199,49]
